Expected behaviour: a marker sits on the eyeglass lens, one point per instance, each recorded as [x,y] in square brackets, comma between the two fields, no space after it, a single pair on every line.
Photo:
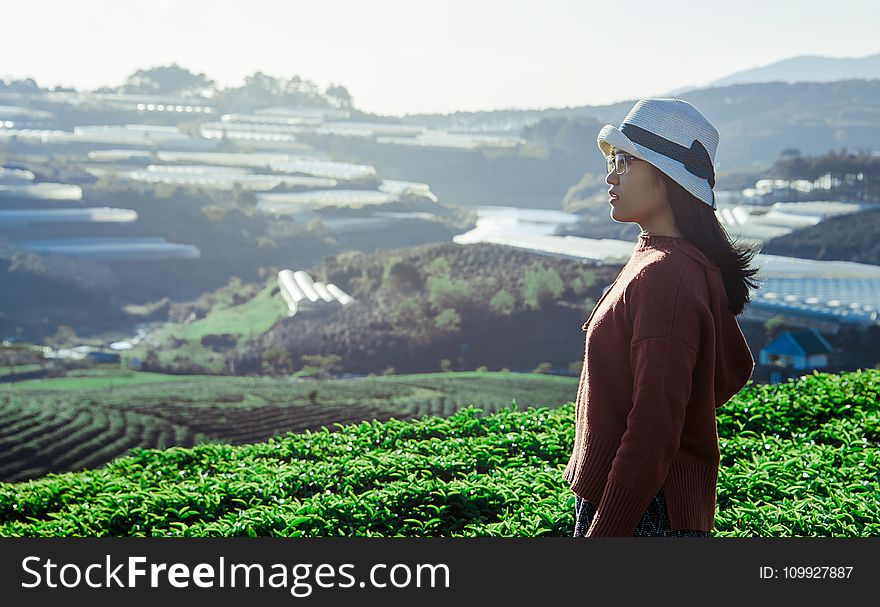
[617,163]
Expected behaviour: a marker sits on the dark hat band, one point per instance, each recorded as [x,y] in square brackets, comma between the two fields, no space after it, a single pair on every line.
[695,158]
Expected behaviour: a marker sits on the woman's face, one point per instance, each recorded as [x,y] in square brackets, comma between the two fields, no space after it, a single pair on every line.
[639,194]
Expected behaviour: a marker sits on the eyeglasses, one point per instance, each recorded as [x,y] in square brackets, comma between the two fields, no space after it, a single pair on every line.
[618,162]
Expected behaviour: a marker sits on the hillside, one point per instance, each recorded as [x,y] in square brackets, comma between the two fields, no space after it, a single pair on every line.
[808,68]
[473,305]
[29,304]
[559,166]
[851,237]
[756,121]
[535,175]
[797,459]
[232,239]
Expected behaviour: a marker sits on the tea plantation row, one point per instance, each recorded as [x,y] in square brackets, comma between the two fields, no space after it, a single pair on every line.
[67,424]
[798,459]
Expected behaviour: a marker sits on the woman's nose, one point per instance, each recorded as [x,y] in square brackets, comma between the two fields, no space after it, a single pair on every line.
[612,178]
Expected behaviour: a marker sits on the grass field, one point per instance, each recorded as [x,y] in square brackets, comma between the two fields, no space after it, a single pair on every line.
[241,321]
[91,379]
[252,317]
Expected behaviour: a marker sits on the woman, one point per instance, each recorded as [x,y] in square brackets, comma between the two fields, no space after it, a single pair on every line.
[663,349]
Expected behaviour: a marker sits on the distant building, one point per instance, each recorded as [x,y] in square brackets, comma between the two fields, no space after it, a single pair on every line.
[103,357]
[300,292]
[793,353]
[113,249]
[755,222]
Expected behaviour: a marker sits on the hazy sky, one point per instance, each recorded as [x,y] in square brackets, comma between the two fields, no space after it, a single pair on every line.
[414,56]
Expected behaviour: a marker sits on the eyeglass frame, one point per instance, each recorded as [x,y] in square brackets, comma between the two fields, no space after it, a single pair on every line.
[612,163]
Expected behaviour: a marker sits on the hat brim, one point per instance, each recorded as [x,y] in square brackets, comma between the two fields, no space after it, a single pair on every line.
[610,137]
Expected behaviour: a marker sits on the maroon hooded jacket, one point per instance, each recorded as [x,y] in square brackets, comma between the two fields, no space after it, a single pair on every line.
[662,352]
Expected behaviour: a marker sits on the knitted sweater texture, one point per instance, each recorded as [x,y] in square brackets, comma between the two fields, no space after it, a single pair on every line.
[662,352]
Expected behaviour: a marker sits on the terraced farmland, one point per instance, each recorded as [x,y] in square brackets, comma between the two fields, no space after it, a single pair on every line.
[68,424]
[798,459]
[41,436]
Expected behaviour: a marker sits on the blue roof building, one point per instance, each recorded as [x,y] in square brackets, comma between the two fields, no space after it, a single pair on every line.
[793,352]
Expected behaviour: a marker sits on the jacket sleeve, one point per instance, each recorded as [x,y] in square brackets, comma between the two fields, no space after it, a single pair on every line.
[663,354]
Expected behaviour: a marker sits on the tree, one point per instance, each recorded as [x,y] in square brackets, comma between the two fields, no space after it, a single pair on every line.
[502,303]
[448,321]
[541,285]
[339,96]
[408,317]
[28,86]
[261,89]
[63,336]
[404,277]
[316,226]
[168,80]
[321,366]
[362,285]
[543,367]
[213,213]
[245,200]
[446,292]
[151,362]
[581,283]
[439,266]
[276,361]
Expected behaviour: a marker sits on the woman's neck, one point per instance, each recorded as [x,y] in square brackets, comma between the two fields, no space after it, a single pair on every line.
[669,233]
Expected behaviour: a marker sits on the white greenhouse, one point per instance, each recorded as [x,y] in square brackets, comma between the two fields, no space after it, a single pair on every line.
[300,292]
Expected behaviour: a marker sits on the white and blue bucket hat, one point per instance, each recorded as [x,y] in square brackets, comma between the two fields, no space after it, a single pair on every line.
[672,135]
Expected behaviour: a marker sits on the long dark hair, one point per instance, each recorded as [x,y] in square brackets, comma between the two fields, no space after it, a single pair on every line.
[698,224]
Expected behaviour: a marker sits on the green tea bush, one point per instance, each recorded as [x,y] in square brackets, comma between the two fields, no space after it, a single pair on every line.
[798,459]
